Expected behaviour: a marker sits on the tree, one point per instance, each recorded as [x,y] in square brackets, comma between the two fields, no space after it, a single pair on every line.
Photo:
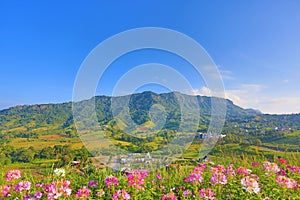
[257,142]
[25,155]
[46,153]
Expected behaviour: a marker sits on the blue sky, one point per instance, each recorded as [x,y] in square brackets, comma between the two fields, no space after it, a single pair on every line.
[255,45]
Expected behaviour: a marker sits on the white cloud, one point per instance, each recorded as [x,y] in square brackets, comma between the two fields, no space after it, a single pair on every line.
[226,74]
[204,91]
[281,105]
[254,96]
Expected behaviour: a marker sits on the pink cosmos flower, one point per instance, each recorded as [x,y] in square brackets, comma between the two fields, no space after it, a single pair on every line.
[200,169]
[255,164]
[83,192]
[202,165]
[64,187]
[250,184]
[169,196]
[12,175]
[136,179]
[144,173]
[243,171]
[52,191]
[100,193]
[116,195]
[4,190]
[162,187]
[270,167]
[121,193]
[254,176]
[194,178]
[294,169]
[219,179]
[217,169]
[159,177]
[206,193]
[39,185]
[111,181]
[230,170]
[125,195]
[187,193]
[286,182]
[282,172]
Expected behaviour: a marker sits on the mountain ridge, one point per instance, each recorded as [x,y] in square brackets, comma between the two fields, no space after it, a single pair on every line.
[58,117]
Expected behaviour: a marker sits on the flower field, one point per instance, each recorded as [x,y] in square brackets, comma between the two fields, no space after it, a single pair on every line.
[257,180]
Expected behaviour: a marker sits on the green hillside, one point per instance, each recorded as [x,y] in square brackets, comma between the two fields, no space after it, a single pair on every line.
[35,122]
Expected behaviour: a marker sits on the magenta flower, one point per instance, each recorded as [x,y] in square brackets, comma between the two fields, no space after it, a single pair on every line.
[159,177]
[111,181]
[206,193]
[38,195]
[187,193]
[93,183]
[83,192]
[294,169]
[255,164]
[12,175]
[194,178]
[219,179]
[26,197]
[282,172]
[116,195]
[23,185]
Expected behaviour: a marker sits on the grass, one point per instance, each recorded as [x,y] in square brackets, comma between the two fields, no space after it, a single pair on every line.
[173,180]
[39,143]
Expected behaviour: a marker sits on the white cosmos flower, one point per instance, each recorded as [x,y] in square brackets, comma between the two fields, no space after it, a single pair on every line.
[59,172]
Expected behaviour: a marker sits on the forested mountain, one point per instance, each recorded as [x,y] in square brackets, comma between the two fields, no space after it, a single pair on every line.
[32,120]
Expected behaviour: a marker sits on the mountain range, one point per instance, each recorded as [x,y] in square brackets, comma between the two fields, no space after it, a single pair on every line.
[58,118]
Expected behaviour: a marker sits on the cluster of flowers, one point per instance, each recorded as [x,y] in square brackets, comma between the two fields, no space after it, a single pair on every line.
[282,179]
[286,182]
[54,190]
[250,183]
[294,169]
[218,176]
[202,182]
[137,179]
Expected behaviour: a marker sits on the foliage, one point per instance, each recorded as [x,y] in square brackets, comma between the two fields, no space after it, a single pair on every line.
[244,179]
